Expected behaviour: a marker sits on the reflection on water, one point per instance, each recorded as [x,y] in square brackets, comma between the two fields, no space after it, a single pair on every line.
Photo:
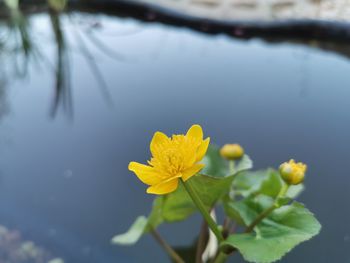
[65,185]
[22,49]
[62,87]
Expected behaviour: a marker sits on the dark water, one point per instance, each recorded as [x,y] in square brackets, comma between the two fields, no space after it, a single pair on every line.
[64,152]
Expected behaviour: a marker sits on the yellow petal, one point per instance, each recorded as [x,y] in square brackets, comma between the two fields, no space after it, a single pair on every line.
[158,139]
[187,174]
[165,187]
[202,149]
[145,173]
[195,132]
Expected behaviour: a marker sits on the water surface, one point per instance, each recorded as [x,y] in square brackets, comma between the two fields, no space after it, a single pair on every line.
[77,108]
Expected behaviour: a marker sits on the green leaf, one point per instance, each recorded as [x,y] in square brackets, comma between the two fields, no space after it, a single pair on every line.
[216,166]
[231,212]
[276,235]
[178,205]
[249,182]
[133,234]
[295,190]
[211,189]
[142,225]
[267,182]
[243,164]
[281,201]
[272,185]
[155,217]
[250,208]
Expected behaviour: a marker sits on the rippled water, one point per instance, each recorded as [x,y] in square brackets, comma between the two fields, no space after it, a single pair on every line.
[78,105]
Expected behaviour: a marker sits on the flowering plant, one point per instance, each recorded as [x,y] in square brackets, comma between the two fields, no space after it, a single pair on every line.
[262,221]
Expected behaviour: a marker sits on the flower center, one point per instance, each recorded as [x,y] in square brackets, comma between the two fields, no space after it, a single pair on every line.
[175,156]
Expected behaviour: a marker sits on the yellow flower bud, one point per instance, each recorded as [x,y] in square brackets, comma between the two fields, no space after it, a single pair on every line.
[232,151]
[292,172]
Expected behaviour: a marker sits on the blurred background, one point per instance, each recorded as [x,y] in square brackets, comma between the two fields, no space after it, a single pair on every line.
[85,84]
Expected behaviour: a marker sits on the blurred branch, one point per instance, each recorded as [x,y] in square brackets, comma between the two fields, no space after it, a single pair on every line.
[93,66]
[62,87]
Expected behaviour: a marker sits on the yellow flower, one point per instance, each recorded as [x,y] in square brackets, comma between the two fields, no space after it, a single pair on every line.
[172,158]
[292,172]
[232,151]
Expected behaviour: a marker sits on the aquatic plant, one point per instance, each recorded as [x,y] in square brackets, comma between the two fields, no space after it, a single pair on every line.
[262,219]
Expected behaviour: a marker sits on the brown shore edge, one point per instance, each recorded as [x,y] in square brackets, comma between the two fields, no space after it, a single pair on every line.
[330,36]
[292,29]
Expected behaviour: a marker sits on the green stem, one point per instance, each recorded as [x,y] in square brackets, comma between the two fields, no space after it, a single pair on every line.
[171,252]
[221,258]
[195,198]
[231,166]
[283,191]
[269,210]
[260,218]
